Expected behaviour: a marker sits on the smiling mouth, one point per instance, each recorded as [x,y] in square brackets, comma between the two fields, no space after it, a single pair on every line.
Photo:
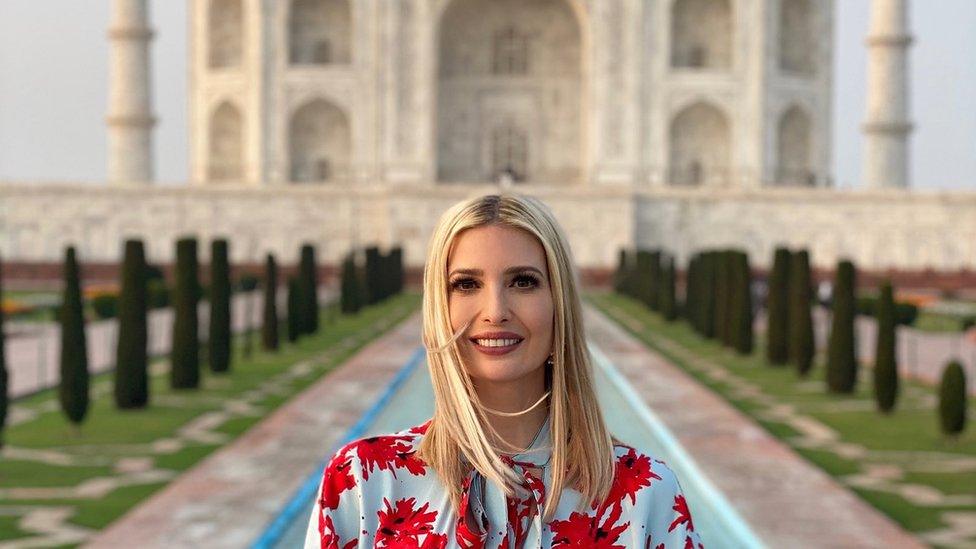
[496,346]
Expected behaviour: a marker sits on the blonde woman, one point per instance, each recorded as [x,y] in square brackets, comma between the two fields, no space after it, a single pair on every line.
[517,453]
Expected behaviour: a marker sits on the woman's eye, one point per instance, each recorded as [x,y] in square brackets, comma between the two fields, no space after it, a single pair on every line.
[463,284]
[469,284]
[526,281]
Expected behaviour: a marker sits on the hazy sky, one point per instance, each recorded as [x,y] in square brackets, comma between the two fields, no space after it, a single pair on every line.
[54,81]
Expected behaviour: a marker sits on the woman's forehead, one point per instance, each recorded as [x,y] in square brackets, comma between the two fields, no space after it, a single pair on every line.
[495,247]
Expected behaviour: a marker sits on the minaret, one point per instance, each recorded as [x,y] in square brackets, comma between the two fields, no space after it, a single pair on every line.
[887,127]
[130,119]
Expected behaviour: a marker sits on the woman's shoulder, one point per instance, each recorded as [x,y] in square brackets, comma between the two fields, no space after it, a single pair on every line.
[640,475]
[389,453]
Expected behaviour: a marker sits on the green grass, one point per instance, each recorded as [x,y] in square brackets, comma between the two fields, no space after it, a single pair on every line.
[913,427]
[108,433]
[19,473]
[935,322]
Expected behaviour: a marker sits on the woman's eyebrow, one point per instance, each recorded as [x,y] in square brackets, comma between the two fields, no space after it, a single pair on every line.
[510,270]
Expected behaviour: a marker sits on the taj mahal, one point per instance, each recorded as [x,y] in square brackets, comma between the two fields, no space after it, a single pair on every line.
[678,124]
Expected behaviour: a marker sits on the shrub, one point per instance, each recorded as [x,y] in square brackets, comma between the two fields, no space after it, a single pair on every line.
[842,349]
[73,389]
[185,350]
[885,359]
[952,399]
[905,313]
[269,328]
[159,297]
[219,338]
[105,306]
[131,360]
[800,321]
[777,309]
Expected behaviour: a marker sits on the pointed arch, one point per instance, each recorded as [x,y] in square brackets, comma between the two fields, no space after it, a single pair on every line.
[319,32]
[793,135]
[319,143]
[700,151]
[226,34]
[701,34]
[226,144]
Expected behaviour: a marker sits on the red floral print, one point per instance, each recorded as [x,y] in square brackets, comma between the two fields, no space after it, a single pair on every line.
[337,479]
[684,515]
[404,524]
[376,492]
[388,453]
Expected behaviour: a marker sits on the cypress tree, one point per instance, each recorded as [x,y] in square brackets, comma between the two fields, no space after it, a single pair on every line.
[742,337]
[185,351]
[350,293]
[777,309]
[654,281]
[952,399]
[398,274]
[642,277]
[800,322]
[668,305]
[707,307]
[4,390]
[269,329]
[73,390]
[308,277]
[294,309]
[220,335]
[841,352]
[131,358]
[690,308]
[618,275]
[372,275]
[722,286]
[885,358]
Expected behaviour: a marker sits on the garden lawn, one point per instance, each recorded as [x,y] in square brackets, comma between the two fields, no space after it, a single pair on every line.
[154,437]
[909,438]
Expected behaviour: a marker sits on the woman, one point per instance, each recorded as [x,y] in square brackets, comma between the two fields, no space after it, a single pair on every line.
[517,453]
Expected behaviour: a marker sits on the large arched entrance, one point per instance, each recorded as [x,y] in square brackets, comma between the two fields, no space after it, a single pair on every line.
[509,91]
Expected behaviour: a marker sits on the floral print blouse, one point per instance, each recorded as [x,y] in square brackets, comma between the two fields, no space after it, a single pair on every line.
[376,493]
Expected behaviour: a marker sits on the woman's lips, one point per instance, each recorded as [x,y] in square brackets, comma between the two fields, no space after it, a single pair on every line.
[496,351]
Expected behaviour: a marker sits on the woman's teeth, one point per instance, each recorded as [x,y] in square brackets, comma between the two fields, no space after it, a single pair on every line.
[496,342]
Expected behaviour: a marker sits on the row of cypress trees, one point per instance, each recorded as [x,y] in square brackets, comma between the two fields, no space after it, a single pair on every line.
[648,275]
[381,276]
[131,383]
[718,299]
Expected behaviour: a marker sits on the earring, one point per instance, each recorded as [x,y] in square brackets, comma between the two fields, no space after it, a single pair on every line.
[549,361]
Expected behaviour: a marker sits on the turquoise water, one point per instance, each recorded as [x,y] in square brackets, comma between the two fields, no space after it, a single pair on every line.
[409,401]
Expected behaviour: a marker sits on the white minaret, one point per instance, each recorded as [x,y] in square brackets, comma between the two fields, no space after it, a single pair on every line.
[887,127]
[130,119]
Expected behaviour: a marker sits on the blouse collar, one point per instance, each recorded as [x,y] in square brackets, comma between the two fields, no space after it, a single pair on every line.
[538,453]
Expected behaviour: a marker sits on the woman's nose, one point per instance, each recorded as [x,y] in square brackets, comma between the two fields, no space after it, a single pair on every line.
[495,308]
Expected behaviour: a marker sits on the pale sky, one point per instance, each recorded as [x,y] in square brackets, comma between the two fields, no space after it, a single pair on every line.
[54,82]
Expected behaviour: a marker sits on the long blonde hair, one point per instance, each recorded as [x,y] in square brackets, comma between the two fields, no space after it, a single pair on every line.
[582,448]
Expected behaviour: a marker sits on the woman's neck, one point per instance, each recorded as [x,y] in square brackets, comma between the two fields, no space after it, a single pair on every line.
[520,430]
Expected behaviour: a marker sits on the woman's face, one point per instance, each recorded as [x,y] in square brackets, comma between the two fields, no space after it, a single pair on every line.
[498,279]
